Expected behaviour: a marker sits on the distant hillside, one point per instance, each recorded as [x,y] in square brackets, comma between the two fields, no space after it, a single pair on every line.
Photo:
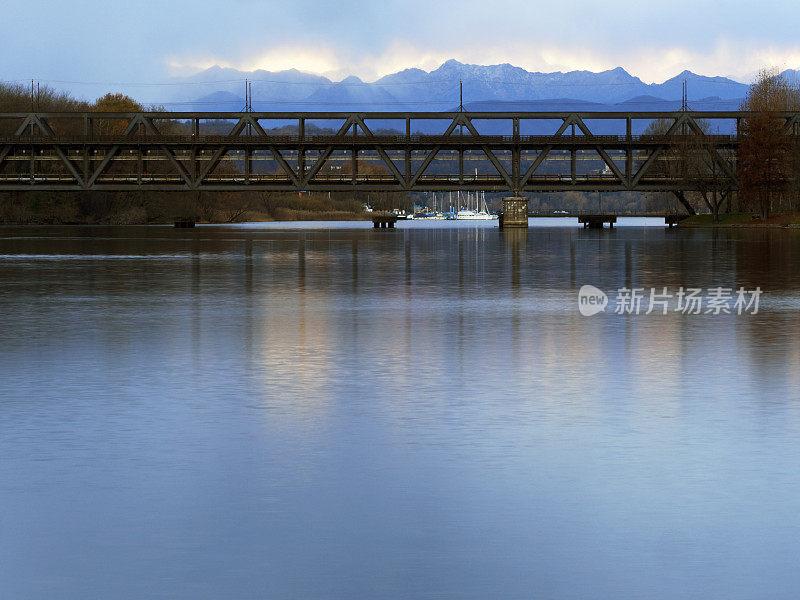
[220,88]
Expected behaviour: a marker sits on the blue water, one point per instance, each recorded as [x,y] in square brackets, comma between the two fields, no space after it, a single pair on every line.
[265,411]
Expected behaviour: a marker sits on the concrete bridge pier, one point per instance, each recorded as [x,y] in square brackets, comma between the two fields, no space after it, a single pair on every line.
[515,212]
[384,220]
[597,221]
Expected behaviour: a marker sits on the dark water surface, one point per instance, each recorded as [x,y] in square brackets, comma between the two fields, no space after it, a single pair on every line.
[254,412]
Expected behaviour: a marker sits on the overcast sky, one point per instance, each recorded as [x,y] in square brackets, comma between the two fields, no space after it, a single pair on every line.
[65,43]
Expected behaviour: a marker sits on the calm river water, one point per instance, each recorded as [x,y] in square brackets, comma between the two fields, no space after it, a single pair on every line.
[263,411]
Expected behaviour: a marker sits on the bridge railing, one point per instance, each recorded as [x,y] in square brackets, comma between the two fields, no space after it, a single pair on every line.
[350,139]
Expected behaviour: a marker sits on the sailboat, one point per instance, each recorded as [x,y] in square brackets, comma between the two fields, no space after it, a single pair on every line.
[480,212]
[427,213]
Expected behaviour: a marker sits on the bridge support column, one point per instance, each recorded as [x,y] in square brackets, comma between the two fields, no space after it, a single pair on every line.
[383,221]
[515,212]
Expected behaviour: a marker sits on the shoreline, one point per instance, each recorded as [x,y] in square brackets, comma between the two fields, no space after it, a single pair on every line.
[742,221]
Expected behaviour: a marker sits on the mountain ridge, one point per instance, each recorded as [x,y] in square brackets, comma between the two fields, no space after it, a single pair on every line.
[438,89]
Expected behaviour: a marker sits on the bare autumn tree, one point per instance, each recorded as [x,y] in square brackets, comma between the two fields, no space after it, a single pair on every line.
[18,98]
[665,168]
[766,159]
[692,159]
[794,191]
[706,168]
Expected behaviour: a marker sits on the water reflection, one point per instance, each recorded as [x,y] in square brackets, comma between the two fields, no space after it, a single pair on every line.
[339,412]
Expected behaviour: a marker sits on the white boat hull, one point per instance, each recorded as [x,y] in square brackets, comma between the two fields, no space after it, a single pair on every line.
[475,217]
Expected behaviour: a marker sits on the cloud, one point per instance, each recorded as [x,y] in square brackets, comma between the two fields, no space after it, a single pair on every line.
[652,64]
[279,58]
[319,59]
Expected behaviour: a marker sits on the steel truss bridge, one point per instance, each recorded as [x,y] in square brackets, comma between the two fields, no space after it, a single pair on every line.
[496,151]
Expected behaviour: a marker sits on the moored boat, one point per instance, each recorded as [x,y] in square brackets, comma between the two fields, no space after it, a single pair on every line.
[480,212]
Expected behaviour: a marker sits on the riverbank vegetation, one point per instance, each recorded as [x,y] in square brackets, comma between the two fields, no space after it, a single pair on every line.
[153,207]
[738,219]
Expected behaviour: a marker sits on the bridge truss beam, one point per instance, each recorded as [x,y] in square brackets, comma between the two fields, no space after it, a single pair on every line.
[515,152]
